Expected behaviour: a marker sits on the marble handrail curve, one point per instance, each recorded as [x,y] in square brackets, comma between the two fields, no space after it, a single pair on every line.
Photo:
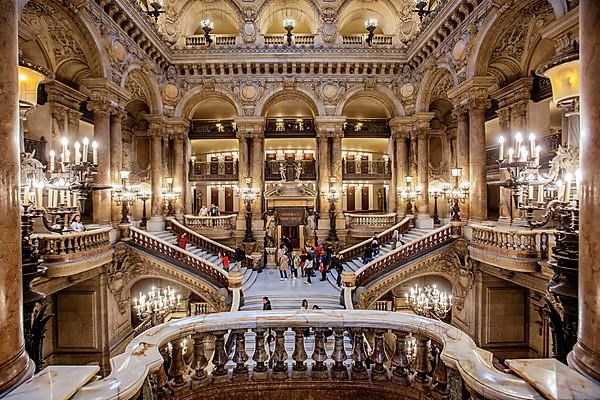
[430,241]
[357,249]
[459,352]
[206,243]
[154,244]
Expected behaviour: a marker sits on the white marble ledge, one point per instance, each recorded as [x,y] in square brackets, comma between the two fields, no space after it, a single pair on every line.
[555,380]
[54,383]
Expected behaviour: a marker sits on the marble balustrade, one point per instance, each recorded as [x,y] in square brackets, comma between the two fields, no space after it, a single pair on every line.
[358,249]
[424,353]
[56,247]
[371,221]
[202,224]
[516,250]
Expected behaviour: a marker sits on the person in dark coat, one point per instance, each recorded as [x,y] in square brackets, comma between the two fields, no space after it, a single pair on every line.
[266,304]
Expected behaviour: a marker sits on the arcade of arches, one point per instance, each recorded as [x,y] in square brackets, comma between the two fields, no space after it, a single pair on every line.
[150,125]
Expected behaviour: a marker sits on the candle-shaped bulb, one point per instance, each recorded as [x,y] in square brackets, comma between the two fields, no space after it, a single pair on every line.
[501,148]
[518,137]
[64,141]
[95,152]
[532,144]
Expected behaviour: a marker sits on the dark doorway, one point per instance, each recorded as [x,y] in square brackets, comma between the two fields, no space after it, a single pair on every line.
[229,199]
[364,194]
[214,196]
[351,197]
[293,233]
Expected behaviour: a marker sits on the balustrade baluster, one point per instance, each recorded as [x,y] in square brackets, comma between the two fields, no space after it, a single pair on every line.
[220,358]
[359,371]
[299,356]
[177,367]
[339,370]
[319,355]
[199,362]
[440,380]
[378,371]
[400,361]
[280,370]
[161,379]
[240,373]
[261,357]
[421,364]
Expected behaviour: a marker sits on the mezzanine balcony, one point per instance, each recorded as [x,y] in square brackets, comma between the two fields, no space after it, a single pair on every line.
[367,127]
[290,170]
[366,169]
[212,129]
[221,170]
[289,127]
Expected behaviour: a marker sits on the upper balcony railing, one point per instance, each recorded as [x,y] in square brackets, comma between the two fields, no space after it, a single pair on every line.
[366,169]
[359,39]
[297,39]
[367,127]
[219,40]
[370,223]
[514,250]
[220,227]
[190,355]
[284,170]
[55,247]
[212,129]
[290,127]
[213,170]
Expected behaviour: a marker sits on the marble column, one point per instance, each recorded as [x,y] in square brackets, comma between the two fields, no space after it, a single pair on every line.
[116,158]
[73,117]
[323,172]
[477,159]
[392,196]
[179,179]
[102,198]
[156,221]
[257,168]
[423,172]
[336,158]
[586,353]
[401,168]
[462,152]
[15,365]
[504,207]
[243,172]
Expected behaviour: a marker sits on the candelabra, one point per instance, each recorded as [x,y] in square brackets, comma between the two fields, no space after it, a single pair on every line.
[429,302]
[288,25]
[156,304]
[456,194]
[157,9]
[370,25]
[248,195]
[169,196]
[557,201]
[422,8]
[75,175]
[207,27]
[409,194]
[332,197]
[144,196]
[435,193]
[124,196]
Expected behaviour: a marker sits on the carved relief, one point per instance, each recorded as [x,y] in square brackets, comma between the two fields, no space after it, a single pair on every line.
[248,25]
[129,266]
[328,25]
[452,262]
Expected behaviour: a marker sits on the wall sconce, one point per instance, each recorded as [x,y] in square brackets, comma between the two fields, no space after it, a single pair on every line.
[288,25]
[371,25]
[207,26]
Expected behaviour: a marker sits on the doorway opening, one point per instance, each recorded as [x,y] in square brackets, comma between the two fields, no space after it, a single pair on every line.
[292,233]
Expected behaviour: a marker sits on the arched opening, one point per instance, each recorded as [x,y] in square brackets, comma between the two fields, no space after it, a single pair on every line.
[302,12]
[353,16]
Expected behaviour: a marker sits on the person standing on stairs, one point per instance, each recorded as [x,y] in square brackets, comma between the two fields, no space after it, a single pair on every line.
[395,238]
[182,240]
[284,263]
[375,245]
[266,304]
[308,267]
[238,257]
[338,265]
[294,265]
[225,261]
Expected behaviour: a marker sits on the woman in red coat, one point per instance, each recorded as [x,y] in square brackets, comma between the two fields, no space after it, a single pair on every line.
[182,240]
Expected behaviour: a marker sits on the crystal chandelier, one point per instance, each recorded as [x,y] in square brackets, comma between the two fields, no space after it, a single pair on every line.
[156,304]
[370,26]
[169,196]
[429,302]
[459,193]
[288,25]
[409,193]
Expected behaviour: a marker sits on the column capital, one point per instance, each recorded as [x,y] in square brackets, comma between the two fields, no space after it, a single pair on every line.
[472,93]
[503,117]
[243,136]
[517,91]
[250,125]
[157,125]
[328,126]
[59,93]
[106,91]
[177,127]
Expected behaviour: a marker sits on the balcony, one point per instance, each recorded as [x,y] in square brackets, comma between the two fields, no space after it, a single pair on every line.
[74,252]
[298,40]
[365,169]
[212,129]
[289,127]
[288,170]
[365,225]
[219,40]
[376,127]
[220,227]
[213,171]
[513,250]
[359,39]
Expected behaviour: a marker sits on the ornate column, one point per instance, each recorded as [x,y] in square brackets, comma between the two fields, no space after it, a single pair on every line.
[179,129]
[323,176]
[472,95]
[116,156]
[505,215]
[15,365]
[156,222]
[102,200]
[73,117]
[400,133]
[586,353]
[336,157]
[462,149]
[243,172]
[422,133]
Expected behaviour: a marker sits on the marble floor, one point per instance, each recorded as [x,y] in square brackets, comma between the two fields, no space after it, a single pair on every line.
[289,294]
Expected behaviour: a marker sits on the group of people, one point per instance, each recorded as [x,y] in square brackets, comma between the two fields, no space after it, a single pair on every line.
[213,211]
[304,307]
[305,265]
[374,249]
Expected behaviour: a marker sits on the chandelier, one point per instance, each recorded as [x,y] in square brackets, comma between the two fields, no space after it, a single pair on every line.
[169,196]
[156,304]
[288,25]
[207,27]
[459,193]
[429,302]
[157,9]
